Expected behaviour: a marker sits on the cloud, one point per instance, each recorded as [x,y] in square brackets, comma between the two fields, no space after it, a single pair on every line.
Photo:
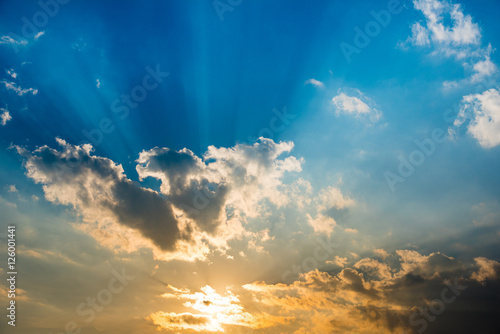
[375,297]
[19,90]
[332,197]
[354,102]
[488,270]
[116,211]
[216,312]
[328,201]
[38,35]
[483,113]
[452,33]
[314,82]
[202,203]
[322,224]
[98,83]
[381,252]
[4,116]
[461,31]
[18,41]
[12,188]
[11,41]
[12,73]
[339,261]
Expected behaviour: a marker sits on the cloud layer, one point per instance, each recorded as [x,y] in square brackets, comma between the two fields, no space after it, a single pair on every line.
[202,203]
[406,292]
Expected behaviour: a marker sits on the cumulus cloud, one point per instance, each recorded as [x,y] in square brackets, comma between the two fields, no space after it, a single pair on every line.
[202,203]
[488,270]
[354,102]
[314,82]
[482,112]
[114,208]
[371,297]
[322,224]
[4,116]
[328,201]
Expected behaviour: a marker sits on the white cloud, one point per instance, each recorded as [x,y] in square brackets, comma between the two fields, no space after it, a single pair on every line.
[98,83]
[332,197]
[483,69]
[327,199]
[354,102]
[12,188]
[38,35]
[4,116]
[459,39]
[12,73]
[12,41]
[322,224]
[314,82]
[19,90]
[462,31]
[15,42]
[483,113]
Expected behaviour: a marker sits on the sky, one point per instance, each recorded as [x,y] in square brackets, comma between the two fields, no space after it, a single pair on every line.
[237,166]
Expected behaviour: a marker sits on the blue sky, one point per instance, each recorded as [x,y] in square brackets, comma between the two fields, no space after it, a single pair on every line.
[342,156]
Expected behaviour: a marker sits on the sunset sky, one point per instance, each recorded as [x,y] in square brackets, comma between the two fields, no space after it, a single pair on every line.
[250,166]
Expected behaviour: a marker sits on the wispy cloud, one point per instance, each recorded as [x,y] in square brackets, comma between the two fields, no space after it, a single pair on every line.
[449,32]
[314,82]
[38,35]
[11,41]
[19,90]
[18,41]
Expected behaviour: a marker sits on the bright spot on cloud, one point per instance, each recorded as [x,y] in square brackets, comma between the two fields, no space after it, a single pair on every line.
[212,312]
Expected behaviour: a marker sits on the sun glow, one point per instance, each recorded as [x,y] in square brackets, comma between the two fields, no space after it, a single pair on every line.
[213,312]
